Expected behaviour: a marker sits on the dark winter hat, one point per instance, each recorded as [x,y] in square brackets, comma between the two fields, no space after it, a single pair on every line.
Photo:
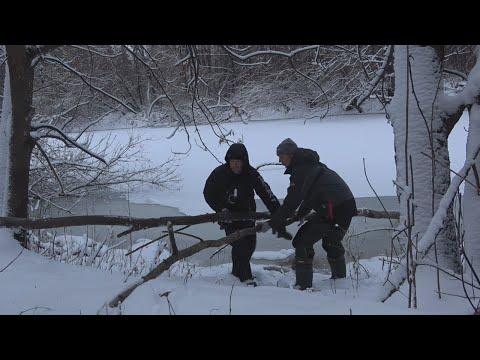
[237,152]
[287,146]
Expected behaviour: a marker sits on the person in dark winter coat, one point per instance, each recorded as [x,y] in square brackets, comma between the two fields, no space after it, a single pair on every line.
[313,186]
[230,188]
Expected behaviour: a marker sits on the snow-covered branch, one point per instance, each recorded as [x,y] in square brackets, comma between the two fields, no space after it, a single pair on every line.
[38,51]
[268,164]
[160,97]
[94,122]
[37,144]
[92,51]
[435,226]
[68,139]
[270,52]
[468,96]
[372,84]
[456,72]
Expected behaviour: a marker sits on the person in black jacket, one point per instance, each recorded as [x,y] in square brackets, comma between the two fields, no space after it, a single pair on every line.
[313,186]
[230,187]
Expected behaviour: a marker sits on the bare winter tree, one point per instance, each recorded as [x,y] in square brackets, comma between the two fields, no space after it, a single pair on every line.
[22,132]
[16,142]
[92,168]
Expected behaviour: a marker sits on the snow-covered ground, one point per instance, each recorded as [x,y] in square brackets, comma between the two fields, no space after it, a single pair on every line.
[33,284]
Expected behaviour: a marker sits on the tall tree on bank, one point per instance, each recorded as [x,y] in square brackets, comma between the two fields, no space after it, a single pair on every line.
[21,132]
[17,114]
[421,63]
[470,98]
[421,127]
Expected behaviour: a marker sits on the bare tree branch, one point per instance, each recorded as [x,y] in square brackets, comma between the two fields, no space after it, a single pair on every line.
[94,51]
[89,83]
[456,72]
[39,147]
[94,122]
[268,164]
[372,84]
[67,138]
[456,173]
[38,51]
[160,97]
[11,262]
[269,52]
[371,187]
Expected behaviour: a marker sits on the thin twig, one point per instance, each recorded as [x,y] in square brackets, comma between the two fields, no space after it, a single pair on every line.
[371,187]
[39,147]
[35,309]
[156,239]
[10,263]
[455,276]
[216,252]
[230,300]
[453,171]
[475,173]
[460,296]
[190,235]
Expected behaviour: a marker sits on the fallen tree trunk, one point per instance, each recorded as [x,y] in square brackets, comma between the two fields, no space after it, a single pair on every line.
[375,214]
[136,224]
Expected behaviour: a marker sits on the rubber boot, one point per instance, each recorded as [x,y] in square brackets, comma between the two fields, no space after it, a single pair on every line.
[241,269]
[338,267]
[304,273]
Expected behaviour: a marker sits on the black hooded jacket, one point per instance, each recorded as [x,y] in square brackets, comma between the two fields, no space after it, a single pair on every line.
[226,190]
[314,186]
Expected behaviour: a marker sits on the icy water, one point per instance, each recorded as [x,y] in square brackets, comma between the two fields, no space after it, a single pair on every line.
[367,245]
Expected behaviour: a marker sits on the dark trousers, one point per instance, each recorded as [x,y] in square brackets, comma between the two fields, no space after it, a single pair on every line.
[319,229]
[331,232]
[242,250]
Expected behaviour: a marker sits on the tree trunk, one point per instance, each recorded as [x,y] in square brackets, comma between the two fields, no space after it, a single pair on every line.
[417,89]
[471,202]
[20,143]
[5,120]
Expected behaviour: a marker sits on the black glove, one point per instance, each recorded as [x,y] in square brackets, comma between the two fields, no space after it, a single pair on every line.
[282,233]
[263,226]
[279,219]
[302,211]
